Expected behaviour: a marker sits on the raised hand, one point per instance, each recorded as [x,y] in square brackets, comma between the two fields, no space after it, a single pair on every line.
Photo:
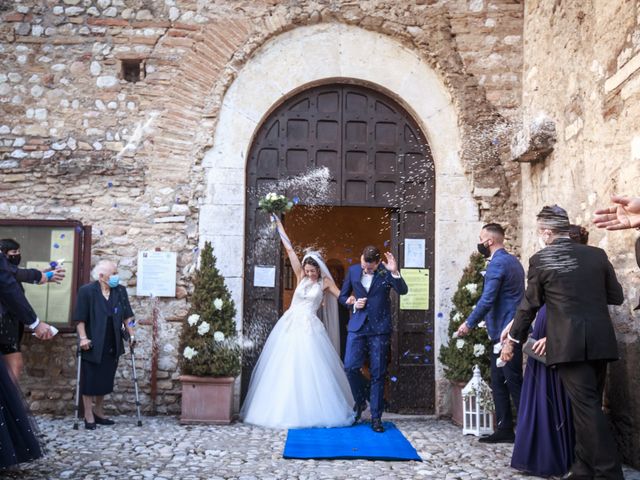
[391,263]
[625,213]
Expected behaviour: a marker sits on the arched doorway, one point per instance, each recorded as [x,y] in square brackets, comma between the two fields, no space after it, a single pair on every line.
[378,159]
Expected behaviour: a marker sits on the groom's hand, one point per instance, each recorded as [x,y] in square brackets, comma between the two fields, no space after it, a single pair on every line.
[360,303]
[391,263]
[351,300]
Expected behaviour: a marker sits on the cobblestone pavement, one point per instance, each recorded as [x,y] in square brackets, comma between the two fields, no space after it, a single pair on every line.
[163,449]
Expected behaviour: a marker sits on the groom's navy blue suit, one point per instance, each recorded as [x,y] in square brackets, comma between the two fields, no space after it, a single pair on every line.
[369,332]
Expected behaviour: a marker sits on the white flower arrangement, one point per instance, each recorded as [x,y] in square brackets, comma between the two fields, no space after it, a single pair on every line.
[218,303]
[472,288]
[478,349]
[484,396]
[203,328]
[457,317]
[482,324]
[460,343]
[218,336]
[193,319]
[189,353]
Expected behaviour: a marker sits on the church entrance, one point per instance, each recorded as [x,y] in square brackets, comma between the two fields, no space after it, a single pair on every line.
[382,192]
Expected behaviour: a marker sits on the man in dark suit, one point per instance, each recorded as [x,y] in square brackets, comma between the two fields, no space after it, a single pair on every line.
[576,282]
[13,301]
[502,292]
[366,290]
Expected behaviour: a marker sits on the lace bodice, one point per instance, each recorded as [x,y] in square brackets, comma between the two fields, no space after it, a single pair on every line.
[308,294]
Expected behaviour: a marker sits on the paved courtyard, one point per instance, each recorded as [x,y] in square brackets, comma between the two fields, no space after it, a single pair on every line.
[164,449]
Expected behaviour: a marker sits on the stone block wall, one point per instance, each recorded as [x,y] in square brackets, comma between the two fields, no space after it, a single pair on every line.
[78,141]
[582,69]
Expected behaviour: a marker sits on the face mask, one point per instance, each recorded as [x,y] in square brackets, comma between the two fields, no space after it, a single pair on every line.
[14,259]
[114,281]
[484,250]
[541,242]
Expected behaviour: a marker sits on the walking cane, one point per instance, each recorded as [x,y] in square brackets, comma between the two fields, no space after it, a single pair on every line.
[135,383]
[77,406]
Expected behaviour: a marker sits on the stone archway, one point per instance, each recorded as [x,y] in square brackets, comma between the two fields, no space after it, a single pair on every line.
[377,157]
[295,60]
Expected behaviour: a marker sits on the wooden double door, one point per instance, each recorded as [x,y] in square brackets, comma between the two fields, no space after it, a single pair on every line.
[376,157]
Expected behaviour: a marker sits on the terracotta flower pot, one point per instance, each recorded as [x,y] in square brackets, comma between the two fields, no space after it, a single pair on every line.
[457,409]
[206,399]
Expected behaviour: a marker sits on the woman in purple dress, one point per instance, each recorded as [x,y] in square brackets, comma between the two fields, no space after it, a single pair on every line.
[545,437]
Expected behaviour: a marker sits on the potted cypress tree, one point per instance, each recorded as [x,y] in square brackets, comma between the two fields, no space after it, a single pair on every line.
[460,354]
[210,352]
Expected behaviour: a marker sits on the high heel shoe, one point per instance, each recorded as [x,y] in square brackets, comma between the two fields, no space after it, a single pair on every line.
[89,426]
[103,421]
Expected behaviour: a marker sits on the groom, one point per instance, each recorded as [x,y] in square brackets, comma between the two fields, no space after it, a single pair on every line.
[366,292]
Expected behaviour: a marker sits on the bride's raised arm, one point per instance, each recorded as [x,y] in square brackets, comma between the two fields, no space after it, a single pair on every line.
[331,285]
[293,258]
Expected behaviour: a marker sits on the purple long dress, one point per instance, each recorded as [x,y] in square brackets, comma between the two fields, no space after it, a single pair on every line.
[545,437]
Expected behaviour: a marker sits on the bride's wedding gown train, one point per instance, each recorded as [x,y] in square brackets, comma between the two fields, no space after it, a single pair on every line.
[299,379]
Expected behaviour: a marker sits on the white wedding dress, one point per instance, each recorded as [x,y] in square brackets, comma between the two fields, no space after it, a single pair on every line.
[299,380]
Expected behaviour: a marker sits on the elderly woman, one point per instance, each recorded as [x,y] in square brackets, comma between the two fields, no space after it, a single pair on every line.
[103,315]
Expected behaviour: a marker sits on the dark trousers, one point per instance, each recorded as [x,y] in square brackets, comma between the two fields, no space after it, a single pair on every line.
[595,447]
[360,347]
[506,384]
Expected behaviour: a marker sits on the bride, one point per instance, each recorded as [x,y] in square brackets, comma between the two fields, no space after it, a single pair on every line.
[299,380]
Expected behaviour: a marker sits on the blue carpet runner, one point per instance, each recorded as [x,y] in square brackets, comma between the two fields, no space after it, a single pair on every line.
[358,441]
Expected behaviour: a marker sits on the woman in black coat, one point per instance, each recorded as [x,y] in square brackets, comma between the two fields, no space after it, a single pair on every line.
[103,314]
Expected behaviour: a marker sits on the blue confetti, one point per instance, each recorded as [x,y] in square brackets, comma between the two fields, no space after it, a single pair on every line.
[100,232]
[386,243]
[405,353]
[110,184]
[132,323]
[78,229]
[115,310]
[495,141]
[428,348]
[440,315]
[55,245]
[296,200]
[394,379]
[195,250]
[62,235]
[349,260]
[115,205]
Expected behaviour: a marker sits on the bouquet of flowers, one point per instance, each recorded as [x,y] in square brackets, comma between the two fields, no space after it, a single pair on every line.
[275,203]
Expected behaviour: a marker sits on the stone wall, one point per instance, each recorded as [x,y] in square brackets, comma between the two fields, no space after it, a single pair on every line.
[581,69]
[79,141]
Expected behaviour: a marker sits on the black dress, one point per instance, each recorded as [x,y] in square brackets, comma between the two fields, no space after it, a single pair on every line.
[103,323]
[11,328]
[18,433]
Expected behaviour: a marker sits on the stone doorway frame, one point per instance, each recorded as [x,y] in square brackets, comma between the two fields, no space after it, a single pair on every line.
[329,53]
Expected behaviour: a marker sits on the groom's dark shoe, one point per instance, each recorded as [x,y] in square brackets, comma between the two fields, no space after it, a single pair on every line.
[499,436]
[376,425]
[359,408]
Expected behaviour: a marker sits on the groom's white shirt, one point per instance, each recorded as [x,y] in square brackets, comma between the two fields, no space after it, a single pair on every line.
[366,280]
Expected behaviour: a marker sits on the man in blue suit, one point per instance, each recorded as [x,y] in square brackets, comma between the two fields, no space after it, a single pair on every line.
[503,290]
[366,290]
